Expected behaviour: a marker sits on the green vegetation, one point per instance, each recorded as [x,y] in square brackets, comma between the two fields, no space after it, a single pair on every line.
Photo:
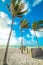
[36,26]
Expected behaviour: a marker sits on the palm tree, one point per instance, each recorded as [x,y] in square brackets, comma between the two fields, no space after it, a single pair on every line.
[35,27]
[16,10]
[23,24]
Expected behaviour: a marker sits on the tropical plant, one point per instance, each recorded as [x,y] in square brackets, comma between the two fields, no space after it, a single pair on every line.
[16,9]
[40,24]
[23,24]
[35,27]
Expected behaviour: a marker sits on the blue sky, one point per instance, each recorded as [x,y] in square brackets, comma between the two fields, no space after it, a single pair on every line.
[35,13]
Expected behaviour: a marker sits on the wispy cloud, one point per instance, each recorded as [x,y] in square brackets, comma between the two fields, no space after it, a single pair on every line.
[28,36]
[5,30]
[38,34]
[3,0]
[36,2]
[9,22]
[25,41]
[32,4]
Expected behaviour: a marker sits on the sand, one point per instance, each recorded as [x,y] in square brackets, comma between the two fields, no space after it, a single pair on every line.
[15,57]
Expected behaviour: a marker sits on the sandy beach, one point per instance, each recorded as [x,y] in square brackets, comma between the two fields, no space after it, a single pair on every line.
[15,57]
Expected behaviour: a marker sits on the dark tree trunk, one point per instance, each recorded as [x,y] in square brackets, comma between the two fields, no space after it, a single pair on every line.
[36,39]
[6,51]
[24,48]
[27,50]
[21,42]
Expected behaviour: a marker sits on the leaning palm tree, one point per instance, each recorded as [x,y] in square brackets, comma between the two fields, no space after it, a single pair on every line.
[23,24]
[35,27]
[16,9]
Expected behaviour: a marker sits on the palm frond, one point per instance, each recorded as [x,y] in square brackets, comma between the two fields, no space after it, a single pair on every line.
[19,1]
[40,22]
[13,1]
[17,6]
[21,7]
[34,25]
[21,13]
[24,24]
[17,9]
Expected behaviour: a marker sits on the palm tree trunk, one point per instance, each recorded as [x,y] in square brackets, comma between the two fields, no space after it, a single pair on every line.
[27,50]
[21,42]
[36,39]
[6,51]
[24,48]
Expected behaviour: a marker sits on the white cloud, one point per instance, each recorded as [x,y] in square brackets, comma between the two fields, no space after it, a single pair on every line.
[24,40]
[14,41]
[36,2]
[27,42]
[21,38]
[28,35]
[2,15]
[32,32]
[5,30]
[32,40]
[41,30]
[15,23]
[29,5]
[38,34]
[3,0]
[31,37]
[10,21]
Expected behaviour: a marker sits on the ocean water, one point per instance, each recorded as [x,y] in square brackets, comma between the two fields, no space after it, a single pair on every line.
[18,46]
[10,46]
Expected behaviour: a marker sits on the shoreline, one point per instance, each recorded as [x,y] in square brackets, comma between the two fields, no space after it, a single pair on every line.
[18,46]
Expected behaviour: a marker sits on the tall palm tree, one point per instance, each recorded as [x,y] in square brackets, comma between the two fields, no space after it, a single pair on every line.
[35,27]
[24,24]
[16,9]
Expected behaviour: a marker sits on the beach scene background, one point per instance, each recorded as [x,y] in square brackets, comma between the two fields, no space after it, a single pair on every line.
[21,32]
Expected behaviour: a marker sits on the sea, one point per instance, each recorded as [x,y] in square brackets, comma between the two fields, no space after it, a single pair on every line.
[18,46]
